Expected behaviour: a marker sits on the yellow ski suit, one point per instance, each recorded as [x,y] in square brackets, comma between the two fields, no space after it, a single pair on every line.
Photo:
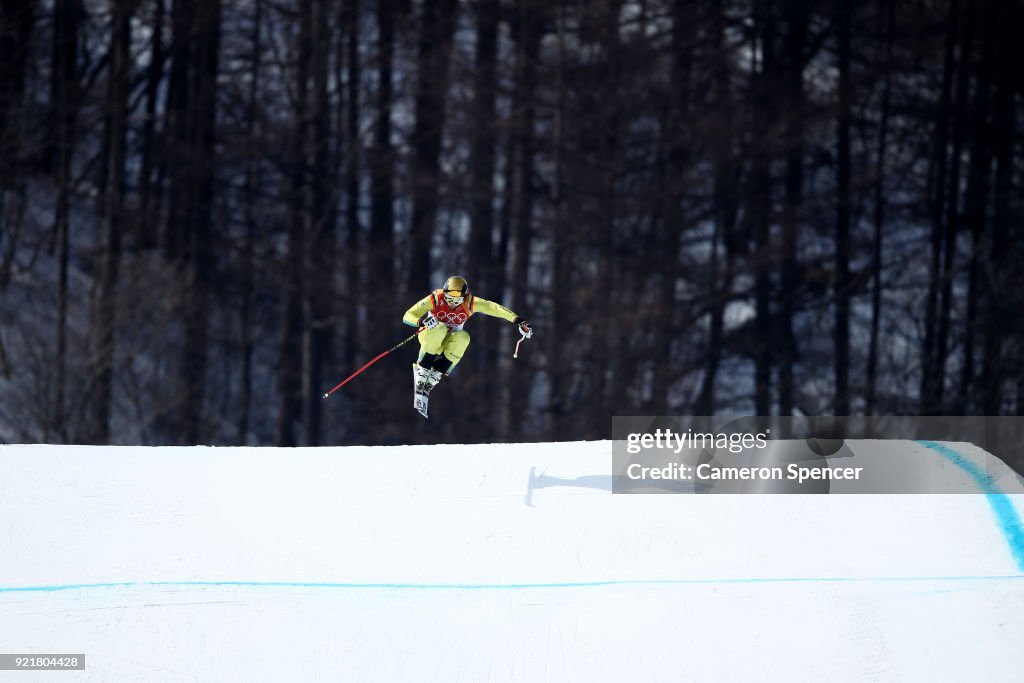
[449,338]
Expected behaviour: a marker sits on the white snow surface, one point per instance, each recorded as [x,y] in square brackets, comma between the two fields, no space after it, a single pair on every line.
[508,562]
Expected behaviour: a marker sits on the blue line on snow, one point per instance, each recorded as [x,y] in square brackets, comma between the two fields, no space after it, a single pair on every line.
[500,586]
[1002,506]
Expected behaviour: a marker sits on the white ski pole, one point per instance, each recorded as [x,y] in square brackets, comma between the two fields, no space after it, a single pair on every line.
[515,354]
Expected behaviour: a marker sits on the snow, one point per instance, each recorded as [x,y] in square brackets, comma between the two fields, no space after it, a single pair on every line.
[489,563]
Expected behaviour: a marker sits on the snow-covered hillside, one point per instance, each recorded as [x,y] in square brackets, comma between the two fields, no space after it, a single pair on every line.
[489,563]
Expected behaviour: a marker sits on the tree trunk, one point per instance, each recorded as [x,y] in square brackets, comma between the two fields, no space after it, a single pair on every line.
[841,401]
[178,132]
[678,156]
[146,236]
[353,225]
[382,217]
[320,294]
[290,360]
[724,201]
[952,222]
[789,280]
[198,254]
[879,217]
[930,399]
[481,162]
[435,45]
[761,205]
[67,19]
[979,169]
[527,34]
[482,266]
[104,329]
[252,183]
[373,266]
[602,356]
[1002,289]
[17,20]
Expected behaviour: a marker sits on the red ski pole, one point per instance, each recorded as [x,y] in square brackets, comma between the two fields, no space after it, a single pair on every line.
[377,358]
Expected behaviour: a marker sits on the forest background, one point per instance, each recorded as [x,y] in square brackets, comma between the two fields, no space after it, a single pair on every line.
[212,211]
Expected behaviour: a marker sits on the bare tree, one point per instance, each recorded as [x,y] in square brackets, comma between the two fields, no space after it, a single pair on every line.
[437,29]
[290,359]
[887,10]
[527,26]
[64,97]
[104,327]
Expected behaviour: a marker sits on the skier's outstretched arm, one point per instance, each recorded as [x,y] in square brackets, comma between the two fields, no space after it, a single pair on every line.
[418,310]
[498,311]
[490,308]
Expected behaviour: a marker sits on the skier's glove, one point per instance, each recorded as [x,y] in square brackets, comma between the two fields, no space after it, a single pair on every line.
[429,321]
[524,327]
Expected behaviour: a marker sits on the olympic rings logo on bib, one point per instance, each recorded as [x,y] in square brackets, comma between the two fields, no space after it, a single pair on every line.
[451,317]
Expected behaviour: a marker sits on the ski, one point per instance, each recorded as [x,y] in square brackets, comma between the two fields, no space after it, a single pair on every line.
[420,403]
[424,380]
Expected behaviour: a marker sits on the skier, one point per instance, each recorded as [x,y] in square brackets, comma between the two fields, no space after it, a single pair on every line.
[442,314]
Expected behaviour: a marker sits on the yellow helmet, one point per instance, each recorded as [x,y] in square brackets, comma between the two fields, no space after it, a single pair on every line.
[456,289]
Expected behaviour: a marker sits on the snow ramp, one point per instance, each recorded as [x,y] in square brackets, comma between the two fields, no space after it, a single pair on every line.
[509,562]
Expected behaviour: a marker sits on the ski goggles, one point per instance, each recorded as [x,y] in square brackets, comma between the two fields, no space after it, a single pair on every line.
[454,297]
